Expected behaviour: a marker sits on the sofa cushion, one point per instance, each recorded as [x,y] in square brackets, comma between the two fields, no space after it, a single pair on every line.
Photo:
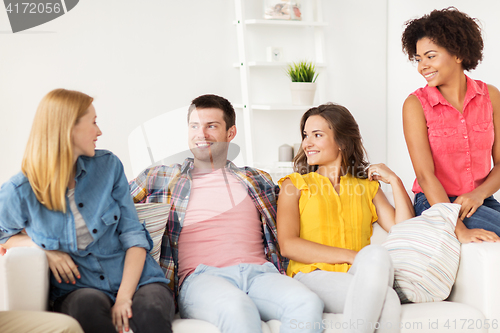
[425,253]
[155,216]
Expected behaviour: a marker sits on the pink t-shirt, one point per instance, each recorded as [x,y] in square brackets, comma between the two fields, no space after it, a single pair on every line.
[222,226]
[461,143]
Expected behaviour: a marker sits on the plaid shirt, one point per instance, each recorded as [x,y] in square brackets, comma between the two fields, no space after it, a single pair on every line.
[172,185]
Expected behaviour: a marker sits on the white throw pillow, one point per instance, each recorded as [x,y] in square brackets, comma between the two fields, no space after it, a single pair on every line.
[425,252]
[155,216]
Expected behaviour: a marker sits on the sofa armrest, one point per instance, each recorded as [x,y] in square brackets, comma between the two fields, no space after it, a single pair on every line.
[478,278]
[24,280]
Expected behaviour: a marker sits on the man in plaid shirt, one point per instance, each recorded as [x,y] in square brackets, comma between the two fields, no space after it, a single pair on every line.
[220,246]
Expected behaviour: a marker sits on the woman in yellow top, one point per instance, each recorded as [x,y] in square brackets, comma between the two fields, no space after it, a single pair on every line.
[325,215]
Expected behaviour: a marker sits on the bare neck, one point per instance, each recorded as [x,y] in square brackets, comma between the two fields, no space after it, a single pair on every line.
[454,92]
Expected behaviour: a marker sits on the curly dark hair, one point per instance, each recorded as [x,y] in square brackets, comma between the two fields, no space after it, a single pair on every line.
[347,136]
[457,32]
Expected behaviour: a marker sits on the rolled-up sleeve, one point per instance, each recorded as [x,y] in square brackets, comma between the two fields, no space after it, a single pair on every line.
[135,238]
[12,219]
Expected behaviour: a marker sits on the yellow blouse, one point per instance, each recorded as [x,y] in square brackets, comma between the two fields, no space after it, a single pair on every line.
[341,219]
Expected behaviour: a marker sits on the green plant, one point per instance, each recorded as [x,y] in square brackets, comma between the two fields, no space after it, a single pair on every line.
[302,71]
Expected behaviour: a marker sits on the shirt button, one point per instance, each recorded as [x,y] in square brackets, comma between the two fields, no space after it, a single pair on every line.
[175,243]
[462,121]
[80,205]
[468,169]
[94,231]
[465,136]
[101,277]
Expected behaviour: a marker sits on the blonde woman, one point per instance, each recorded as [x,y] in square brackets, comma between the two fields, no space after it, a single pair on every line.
[73,202]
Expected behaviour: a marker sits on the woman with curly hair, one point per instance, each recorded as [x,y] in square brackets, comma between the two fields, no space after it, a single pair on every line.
[325,214]
[452,125]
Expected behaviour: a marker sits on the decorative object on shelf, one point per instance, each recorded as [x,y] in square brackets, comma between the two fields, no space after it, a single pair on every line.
[296,148]
[274,53]
[285,153]
[303,86]
[282,10]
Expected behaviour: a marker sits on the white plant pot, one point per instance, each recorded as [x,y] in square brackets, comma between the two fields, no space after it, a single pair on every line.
[303,93]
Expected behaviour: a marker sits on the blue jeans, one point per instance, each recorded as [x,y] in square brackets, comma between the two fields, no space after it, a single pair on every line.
[236,298]
[486,217]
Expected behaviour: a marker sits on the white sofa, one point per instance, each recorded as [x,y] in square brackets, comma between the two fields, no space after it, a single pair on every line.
[473,304]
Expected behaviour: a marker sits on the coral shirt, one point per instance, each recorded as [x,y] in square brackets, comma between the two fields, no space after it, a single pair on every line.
[461,143]
[342,219]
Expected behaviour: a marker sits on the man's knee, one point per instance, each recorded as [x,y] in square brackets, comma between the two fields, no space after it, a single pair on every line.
[310,302]
[68,324]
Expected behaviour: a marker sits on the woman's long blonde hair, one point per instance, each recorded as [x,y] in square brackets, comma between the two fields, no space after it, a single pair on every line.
[48,158]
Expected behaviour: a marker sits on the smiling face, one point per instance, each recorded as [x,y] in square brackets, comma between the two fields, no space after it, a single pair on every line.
[436,64]
[319,143]
[208,137]
[84,134]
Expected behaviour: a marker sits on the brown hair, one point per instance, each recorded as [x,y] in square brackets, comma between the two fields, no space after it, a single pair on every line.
[347,136]
[457,32]
[216,102]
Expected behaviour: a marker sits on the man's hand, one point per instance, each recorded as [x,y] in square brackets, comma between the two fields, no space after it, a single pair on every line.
[62,266]
[121,312]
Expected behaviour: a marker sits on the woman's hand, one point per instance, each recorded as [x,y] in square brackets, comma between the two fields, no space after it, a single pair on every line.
[3,250]
[121,312]
[470,203]
[62,266]
[381,172]
[465,235]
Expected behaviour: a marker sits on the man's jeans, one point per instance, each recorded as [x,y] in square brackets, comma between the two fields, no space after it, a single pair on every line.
[486,217]
[236,298]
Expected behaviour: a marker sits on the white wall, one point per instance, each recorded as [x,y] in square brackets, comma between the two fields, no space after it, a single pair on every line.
[404,79]
[143,58]
[140,59]
[137,58]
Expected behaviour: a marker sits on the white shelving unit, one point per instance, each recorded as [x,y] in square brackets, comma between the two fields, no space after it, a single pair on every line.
[314,23]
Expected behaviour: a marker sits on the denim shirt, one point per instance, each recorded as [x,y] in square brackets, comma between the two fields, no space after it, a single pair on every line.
[103,199]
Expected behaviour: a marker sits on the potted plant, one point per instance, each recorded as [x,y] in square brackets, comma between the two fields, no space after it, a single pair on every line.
[303,86]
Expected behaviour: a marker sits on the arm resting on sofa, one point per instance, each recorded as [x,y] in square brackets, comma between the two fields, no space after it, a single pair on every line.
[24,279]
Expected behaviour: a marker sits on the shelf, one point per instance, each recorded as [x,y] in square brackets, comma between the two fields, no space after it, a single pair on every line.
[288,23]
[271,64]
[276,107]
[249,29]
